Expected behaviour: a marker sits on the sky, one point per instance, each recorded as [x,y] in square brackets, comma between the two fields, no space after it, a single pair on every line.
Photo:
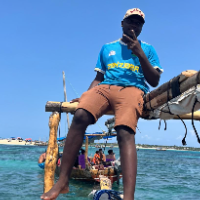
[40,39]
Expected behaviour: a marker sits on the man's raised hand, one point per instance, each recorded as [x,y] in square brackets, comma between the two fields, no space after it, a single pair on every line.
[133,44]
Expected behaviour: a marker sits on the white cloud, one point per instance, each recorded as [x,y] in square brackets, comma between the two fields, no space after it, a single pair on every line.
[192,132]
[146,137]
[179,137]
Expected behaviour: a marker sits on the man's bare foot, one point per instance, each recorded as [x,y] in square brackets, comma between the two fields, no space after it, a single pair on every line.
[55,191]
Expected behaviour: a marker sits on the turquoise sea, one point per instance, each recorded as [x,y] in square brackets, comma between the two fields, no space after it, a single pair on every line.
[171,175]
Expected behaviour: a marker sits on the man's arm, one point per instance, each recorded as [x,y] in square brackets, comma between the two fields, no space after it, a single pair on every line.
[41,158]
[151,75]
[98,79]
[104,158]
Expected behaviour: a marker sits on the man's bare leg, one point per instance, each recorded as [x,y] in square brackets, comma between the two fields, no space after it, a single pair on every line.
[128,154]
[73,143]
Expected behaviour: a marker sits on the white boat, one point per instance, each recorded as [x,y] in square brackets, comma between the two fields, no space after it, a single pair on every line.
[160,149]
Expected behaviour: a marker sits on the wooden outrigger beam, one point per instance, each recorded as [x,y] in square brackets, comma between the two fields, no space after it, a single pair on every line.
[196,116]
[164,87]
[164,93]
[52,106]
[153,100]
[71,107]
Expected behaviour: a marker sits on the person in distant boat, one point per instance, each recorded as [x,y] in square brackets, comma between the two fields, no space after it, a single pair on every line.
[96,159]
[76,161]
[110,156]
[81,159]
[58,162]
[41,160]
[99,160]
[102,156]
[123,69]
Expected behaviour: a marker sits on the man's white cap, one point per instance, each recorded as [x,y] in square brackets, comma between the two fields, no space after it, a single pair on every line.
[134,11]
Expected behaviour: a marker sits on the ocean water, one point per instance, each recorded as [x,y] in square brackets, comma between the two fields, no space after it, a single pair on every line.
[171,175]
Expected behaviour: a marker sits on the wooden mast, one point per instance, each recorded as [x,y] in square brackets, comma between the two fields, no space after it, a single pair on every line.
[86,152]
[65,98]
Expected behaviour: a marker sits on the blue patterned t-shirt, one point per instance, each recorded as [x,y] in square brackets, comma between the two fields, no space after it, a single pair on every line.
[120,67]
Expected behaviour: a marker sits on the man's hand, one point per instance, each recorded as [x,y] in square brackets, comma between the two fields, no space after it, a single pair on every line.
[134,44]
[74,100]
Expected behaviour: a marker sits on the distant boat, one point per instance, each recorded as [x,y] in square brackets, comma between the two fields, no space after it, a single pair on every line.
[160,149]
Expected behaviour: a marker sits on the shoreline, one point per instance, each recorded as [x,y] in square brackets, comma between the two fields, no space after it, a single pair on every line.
[23,143]
[165,148]
[161,150]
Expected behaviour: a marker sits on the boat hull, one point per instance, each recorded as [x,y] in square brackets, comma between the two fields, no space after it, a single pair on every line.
[93,174]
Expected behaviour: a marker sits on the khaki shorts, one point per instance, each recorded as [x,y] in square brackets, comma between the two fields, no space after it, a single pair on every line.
[126,102]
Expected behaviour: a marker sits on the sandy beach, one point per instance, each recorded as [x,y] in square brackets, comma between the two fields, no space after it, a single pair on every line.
[15,142]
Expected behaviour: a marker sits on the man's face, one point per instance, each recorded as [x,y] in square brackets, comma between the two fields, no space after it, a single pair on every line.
[132,23]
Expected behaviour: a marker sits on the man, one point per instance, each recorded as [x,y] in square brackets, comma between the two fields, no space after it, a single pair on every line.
[122,68]
[81,159]
[96,159]
[110,156]
[41,160]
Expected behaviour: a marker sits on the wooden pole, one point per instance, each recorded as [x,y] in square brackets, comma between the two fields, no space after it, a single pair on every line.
[52,152]
[68,107]
[65,97]
[86,152]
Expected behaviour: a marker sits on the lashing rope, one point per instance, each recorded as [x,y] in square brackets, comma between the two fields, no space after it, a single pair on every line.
[198,139]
